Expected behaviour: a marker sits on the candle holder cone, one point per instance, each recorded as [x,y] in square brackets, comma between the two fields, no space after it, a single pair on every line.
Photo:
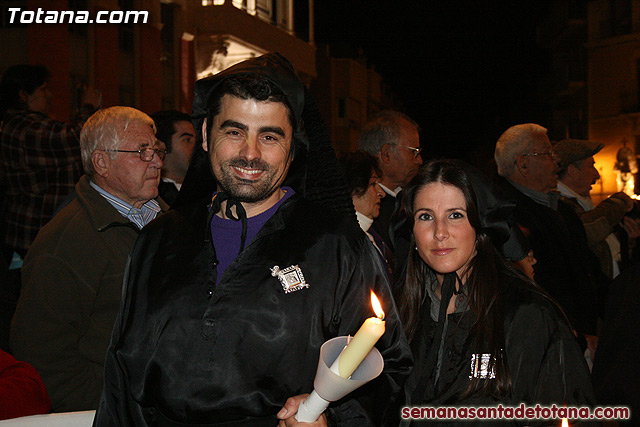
[329,386]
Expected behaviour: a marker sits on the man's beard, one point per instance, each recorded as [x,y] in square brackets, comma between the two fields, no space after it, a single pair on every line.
[245,190]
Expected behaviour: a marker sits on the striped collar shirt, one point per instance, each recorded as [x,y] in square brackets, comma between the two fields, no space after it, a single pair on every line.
[140,217]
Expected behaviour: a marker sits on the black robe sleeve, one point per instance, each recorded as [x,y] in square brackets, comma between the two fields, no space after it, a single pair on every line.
[117,405]
[380,397]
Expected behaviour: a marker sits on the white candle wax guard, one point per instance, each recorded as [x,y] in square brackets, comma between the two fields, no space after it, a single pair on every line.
[329,386]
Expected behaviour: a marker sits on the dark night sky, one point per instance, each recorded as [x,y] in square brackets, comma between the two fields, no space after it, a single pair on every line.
[465,70]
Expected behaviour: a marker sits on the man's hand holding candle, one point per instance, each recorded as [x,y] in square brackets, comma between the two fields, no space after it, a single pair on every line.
[287,413]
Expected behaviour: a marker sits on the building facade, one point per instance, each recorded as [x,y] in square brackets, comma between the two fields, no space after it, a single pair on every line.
[563,35]
[614,89]
[152,65]
[348,92]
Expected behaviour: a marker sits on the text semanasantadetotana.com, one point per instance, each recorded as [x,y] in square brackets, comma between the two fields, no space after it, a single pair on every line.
[40,16]
[514,412]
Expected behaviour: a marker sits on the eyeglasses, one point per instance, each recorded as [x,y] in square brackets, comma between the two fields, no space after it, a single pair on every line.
[538,154]
[146,154]
[416,151]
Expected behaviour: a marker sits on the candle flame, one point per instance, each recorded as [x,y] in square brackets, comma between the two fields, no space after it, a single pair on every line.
[377,308]
[565,422]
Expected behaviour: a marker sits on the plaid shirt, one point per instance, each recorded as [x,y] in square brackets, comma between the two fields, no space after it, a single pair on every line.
[39,165]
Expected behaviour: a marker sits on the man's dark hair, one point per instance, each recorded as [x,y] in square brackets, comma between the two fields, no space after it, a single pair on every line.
[358,167]
[23,77]
[164,123]
[247,86]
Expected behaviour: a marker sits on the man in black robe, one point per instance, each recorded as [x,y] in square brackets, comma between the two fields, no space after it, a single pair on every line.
[228,300]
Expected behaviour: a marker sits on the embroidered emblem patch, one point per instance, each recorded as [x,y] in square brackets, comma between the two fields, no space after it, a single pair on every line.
[480,366]
[291,278]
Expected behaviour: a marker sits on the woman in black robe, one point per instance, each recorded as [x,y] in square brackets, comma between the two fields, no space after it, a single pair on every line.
[498,339]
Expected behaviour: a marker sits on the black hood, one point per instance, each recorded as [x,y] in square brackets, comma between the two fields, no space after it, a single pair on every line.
[497,215]
[314,171]
[272,66]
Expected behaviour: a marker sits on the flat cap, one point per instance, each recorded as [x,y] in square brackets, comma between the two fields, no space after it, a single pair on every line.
[568,151]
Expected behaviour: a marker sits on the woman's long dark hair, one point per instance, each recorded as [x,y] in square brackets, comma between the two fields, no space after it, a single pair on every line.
[485,283]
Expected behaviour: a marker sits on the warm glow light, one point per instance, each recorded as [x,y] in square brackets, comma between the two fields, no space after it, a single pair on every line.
[377,308]
[362,343]
[565,423]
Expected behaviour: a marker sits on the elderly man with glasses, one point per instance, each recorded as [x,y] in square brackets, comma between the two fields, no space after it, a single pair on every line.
[72,274]
[393,139]
[525,160]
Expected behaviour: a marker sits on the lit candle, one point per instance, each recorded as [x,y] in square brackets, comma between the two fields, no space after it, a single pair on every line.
[565,422]
[334,383]
[362,343]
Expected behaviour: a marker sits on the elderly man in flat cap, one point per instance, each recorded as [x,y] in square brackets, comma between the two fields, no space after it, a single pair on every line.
[260,261]
[576,175]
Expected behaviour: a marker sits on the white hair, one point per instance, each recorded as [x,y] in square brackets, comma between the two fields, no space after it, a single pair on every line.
[515,141]
[383,128]
[104,131]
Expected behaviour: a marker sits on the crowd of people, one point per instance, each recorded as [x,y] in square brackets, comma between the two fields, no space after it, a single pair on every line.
[173,269]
